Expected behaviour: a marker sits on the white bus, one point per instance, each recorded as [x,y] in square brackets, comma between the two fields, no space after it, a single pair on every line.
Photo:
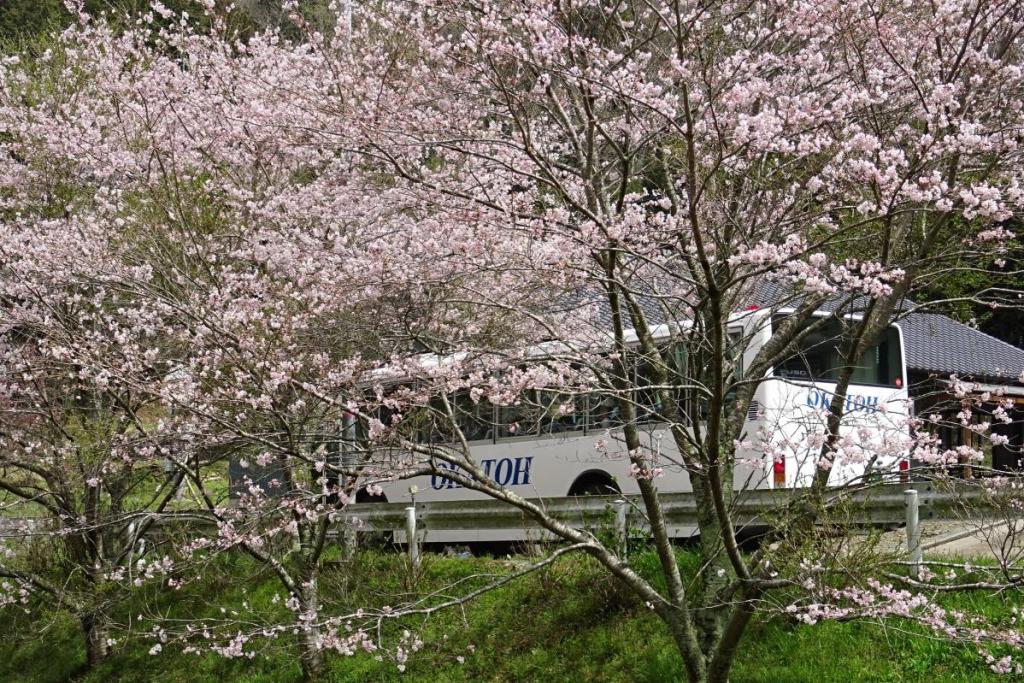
[541,454]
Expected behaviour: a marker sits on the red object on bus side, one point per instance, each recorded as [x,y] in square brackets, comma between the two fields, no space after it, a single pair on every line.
[779,472]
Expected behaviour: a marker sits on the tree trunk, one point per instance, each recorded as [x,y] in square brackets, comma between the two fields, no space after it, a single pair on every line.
[695,671]
[96,629]
[311,653]
[721,660]
[311,656]
[716,573]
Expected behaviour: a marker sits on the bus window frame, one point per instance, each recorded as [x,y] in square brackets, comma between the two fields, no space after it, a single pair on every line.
[773,374]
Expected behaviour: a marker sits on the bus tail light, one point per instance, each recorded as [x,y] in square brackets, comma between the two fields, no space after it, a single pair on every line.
[904,471]
[779,472]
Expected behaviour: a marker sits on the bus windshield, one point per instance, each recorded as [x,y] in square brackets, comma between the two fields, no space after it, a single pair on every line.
[819,357]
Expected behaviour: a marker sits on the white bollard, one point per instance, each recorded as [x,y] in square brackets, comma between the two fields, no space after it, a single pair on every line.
[621,533]
[913,532]
[410,536]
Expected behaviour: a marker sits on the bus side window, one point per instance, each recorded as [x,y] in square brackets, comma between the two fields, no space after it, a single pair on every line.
[820,357]
[474,419]
[681,380]
[438,427]
[604,412]
[560,412]
[649,407]
[521,418]
[734,352]
[414,423]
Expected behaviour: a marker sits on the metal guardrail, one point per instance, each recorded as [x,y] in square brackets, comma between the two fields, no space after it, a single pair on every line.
[885,504]
[12,527]
[879,505]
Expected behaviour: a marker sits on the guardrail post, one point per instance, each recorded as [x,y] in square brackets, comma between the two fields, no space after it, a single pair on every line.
[349,539]
[621,535]
[913,531]
[410,536]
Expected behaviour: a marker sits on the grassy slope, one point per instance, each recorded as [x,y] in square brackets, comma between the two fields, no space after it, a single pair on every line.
[565,623]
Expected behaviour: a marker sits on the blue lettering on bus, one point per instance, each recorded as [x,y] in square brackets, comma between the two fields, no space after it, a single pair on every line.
[503,472]
[438,482]
[818,398]
[521,473]
[506,472]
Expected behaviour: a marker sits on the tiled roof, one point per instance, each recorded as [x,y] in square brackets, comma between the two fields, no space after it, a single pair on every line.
[935,344]
[940,345]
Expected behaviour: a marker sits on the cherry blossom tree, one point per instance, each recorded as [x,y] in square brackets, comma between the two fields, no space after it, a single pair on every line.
[217,332]
[141,346]
[83,444]
[672,159]
[439,199]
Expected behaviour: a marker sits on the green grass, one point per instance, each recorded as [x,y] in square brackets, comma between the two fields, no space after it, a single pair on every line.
[144,493]
[569,622]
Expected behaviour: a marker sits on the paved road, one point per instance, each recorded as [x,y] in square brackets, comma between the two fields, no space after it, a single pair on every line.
[962,539]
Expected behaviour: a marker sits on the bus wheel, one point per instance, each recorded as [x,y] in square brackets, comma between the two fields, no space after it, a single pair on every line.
[379,540]
[363,496]
[594,484]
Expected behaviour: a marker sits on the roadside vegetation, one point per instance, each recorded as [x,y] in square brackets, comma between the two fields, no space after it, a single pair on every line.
[566,622]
